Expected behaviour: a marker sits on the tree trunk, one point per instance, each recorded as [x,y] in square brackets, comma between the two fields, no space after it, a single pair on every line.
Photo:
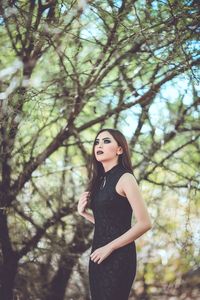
[9,270]
[9,261]
[67,261]
[61,278]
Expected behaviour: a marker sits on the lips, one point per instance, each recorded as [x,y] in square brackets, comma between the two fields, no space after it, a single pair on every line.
[99,152]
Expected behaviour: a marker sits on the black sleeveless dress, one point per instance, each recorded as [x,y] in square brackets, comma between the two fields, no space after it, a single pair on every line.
[113,277]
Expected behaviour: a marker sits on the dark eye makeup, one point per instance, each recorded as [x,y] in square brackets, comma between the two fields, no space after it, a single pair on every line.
[106,141]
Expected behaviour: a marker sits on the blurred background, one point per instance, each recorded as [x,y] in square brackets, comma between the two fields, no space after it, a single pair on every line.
[68,69]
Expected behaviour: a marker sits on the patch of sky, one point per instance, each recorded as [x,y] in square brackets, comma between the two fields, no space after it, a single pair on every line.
[131,117]
[146,129]
[110,99]
[196,232]
[63,7]
[93,24]
[2,22]
[159,114]
[118,3]
[183,199]
[195,114]
[190,2]
[131,17]
[170,92]
[162,2]
[164,255]
[140,88]
[192,8]
[179,86]
[90,31]
[45,13]
[163,52]
[193,46]
[154,5]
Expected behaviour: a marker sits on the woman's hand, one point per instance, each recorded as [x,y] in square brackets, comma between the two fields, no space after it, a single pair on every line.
[82,203]
[101,253]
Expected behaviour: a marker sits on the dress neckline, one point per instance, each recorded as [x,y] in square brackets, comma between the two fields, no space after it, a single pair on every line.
[111,170]
[107,174]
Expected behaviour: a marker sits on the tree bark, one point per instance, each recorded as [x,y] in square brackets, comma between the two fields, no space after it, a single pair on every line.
[59,282]
[67,261]
[10,261]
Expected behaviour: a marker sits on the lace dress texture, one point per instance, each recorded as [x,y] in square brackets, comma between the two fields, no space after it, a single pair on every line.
[113,277]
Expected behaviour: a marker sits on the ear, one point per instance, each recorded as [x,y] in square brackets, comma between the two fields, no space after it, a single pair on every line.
[119,151]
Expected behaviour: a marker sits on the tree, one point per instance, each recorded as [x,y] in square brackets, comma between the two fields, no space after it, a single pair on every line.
[70,68]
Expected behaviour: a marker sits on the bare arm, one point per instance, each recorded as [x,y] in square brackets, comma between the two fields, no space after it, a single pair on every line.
[88,216]
[82,203]
[129,187]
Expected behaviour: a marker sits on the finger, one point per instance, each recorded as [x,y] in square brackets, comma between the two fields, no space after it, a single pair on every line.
[84,201]
[93,253]
[84,204]
[102,258]
[100,261]
[96,259]
[93,256]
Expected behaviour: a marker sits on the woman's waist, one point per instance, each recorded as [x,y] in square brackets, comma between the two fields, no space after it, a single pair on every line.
[100,243]
[112,228]
[108,234]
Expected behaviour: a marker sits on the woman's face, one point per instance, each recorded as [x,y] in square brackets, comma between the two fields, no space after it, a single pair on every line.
[106,147]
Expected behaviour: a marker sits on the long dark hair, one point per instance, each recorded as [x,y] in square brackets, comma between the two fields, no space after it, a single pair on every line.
[96,169]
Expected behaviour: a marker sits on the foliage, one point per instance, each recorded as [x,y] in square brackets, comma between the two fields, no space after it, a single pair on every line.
[71,68]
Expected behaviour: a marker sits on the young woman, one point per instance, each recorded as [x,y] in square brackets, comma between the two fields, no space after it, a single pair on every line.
[114,194]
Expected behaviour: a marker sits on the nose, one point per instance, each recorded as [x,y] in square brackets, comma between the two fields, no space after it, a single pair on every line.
[100,144]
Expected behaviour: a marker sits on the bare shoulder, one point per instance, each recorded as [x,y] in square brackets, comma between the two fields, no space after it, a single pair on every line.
[130,188]
[128,183]
[127,178]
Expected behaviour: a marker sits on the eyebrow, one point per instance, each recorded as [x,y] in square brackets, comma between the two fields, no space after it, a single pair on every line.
[103,139]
